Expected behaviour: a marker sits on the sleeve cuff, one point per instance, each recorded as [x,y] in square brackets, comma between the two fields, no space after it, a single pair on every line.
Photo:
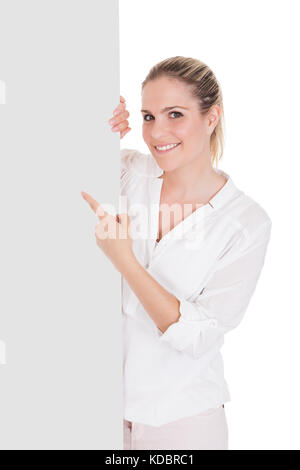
[192,323]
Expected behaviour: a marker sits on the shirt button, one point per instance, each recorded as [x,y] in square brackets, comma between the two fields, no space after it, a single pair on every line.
[213,323]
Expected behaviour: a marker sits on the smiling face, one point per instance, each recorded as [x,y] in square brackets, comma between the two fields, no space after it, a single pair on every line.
[183,124]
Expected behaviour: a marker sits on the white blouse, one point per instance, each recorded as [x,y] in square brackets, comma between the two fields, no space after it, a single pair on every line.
[211,262]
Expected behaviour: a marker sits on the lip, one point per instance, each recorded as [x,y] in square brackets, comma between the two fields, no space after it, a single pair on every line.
[166,151]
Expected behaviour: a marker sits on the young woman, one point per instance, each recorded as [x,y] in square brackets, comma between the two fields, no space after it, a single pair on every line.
[188,278]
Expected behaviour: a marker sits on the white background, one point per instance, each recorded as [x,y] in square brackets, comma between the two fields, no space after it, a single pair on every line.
[252,49]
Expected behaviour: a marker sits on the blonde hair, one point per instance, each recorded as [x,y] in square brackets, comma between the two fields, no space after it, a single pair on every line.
[204,87]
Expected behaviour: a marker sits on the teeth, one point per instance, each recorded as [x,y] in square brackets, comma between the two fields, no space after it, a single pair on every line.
[166,147]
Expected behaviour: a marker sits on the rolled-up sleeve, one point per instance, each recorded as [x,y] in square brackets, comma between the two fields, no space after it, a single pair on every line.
[222,302]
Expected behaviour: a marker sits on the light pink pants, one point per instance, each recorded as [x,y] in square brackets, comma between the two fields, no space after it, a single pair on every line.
[205,431]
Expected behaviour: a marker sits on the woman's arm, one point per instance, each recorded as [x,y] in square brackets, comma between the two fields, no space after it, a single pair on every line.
[194,326]
[162,306]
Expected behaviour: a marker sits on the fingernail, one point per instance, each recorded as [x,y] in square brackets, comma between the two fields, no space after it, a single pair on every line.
[111,121]
[116,112]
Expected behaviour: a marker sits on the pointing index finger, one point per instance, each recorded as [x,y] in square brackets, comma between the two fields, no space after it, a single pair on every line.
[96,207]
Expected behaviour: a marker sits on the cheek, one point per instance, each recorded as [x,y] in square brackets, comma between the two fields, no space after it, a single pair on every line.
[145,133]
[184,132]
[190,132]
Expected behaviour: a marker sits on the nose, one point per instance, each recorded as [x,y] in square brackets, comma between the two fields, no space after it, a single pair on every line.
[160,132]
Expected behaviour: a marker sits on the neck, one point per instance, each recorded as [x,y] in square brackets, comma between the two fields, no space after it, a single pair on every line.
[196,180]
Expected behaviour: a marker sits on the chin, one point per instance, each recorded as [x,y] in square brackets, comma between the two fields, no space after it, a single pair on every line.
[164,166]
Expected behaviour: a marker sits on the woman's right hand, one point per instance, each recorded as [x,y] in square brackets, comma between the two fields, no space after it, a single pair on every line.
[119,120]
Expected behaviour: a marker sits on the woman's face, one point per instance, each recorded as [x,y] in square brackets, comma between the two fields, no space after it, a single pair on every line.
[181,125]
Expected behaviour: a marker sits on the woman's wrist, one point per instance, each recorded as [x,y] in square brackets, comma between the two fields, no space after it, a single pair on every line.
[128,264]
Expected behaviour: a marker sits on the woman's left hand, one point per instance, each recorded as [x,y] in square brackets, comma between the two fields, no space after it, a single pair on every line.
[112,234]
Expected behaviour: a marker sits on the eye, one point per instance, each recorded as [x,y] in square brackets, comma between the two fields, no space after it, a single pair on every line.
[172,112]
[176,112]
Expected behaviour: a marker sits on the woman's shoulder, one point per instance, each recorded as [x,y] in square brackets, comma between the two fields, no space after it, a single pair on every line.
[242,210]
[246,226]
[251,217]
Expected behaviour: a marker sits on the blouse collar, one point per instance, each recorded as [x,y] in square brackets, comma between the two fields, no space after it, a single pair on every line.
[224,194]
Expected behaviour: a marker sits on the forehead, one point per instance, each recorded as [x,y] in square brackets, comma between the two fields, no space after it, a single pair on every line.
[166,92]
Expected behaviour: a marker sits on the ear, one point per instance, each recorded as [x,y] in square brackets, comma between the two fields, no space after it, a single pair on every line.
[213,117]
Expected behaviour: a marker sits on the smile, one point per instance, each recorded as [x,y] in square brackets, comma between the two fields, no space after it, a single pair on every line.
[166,148]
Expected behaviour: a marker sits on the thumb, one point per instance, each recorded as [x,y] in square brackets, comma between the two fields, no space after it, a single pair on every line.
[124,219]
[124,227]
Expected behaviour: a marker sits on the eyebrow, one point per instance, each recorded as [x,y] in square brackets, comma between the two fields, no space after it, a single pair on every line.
[163,110]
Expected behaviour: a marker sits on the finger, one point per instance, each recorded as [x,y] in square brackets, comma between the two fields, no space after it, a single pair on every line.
[124,228]
[124,132]
[124,220]
[121,107]
[120,127]
[101,213]
[90,200]
[106,226]
[95,206]
[122,99]
[119,118]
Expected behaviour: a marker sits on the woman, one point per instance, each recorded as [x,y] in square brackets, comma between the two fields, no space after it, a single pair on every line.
[185,282]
